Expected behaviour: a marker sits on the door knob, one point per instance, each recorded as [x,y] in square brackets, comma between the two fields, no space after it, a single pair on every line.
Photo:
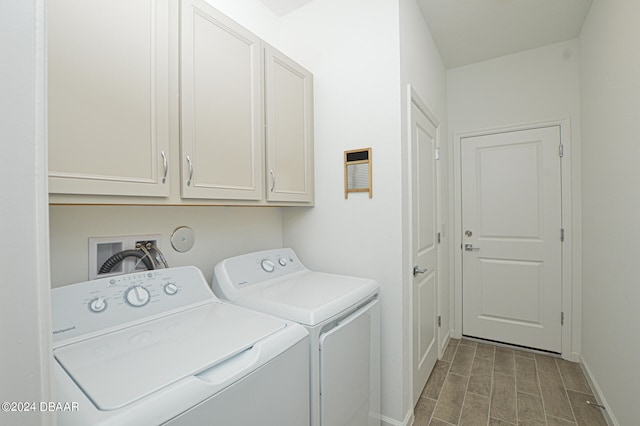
[417,270]
[470,247]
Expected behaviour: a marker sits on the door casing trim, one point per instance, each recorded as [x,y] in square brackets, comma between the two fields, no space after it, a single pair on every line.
[571,222]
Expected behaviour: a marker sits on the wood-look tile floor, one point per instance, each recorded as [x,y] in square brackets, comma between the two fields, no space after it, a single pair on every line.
[483,384]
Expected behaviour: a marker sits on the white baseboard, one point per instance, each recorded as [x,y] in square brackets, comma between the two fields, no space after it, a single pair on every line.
[572,356]
[600,399]
[444,346]
[408,420]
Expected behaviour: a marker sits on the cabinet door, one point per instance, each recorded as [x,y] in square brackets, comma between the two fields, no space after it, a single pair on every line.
[108,97]
[221,99]
[289,104]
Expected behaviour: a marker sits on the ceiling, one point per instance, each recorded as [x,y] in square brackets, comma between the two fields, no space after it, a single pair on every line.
[469,31]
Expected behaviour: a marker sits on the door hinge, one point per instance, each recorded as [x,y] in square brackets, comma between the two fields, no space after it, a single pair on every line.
[438,237]
[561,150]
[561,318]
[439,321]
[561,234]
[436,154]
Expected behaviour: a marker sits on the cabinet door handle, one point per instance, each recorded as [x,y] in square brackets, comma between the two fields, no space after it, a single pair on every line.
[165,163]
[190,171]
[273,180]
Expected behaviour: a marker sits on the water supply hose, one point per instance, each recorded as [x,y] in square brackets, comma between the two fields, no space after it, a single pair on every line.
[120,256]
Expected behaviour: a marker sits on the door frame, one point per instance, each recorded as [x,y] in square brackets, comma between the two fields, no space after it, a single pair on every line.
[571,222]
[414,98]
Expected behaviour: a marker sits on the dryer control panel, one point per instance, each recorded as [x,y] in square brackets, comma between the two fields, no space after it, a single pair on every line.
[254,268]
[102,304]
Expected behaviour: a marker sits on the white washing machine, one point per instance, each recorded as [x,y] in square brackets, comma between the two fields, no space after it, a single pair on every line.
[342,315]
[157,347]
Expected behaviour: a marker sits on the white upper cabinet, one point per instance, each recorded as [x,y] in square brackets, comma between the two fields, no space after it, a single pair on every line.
[167,102]
[289,123]
[221,106]
[108,97]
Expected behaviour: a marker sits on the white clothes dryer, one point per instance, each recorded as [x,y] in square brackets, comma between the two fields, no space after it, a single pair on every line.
[158,348]
[342,315]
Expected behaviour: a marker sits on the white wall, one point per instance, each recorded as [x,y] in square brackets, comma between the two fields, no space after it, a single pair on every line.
[352,48]
[24,306]
[531,86]
[610,107]
[537,85]
[423,68]
[220,232]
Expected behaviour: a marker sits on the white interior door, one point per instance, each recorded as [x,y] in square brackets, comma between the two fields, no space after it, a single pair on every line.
[511,237]
[425,250]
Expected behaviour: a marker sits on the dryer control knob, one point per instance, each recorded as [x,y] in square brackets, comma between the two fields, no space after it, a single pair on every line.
[97,305]
[268,265]
[282,261]
[137,296]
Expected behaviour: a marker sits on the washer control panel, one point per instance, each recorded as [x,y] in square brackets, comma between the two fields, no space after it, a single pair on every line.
[253,268]
[90,306]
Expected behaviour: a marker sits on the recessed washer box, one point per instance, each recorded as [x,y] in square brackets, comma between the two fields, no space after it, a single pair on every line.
[102,248]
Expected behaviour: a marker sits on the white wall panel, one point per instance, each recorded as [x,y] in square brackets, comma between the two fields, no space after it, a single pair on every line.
[25,357]
[610,107]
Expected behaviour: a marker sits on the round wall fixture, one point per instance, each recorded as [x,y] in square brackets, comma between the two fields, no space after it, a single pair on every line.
[182,239]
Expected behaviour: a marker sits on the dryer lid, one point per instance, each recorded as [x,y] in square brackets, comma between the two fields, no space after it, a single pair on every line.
[118,368]
[307,297]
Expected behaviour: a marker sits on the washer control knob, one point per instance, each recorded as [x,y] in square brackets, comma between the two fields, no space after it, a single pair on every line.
[97,305]
[268,265]
[282,261]
[137,296]
[170,289]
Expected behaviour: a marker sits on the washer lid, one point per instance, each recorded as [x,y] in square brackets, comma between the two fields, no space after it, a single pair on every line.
[121,367]
[307,297]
